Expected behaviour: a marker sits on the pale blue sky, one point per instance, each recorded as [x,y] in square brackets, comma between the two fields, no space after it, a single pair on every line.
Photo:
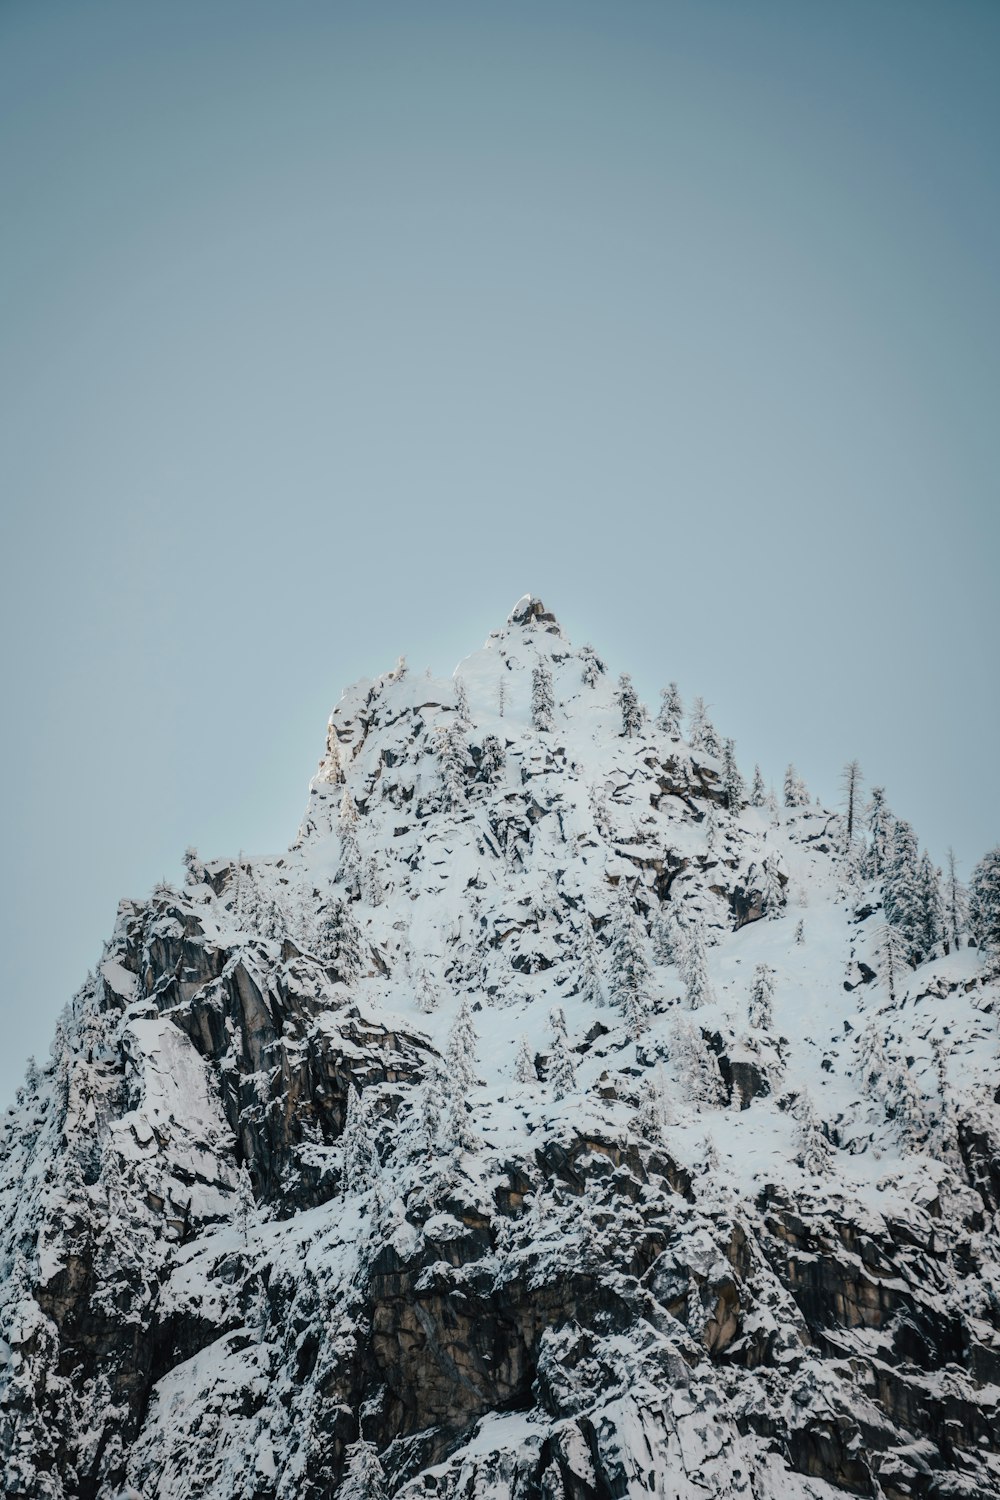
[328,330]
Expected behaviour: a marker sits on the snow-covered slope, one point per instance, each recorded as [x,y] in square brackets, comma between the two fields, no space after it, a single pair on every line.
[551,1119]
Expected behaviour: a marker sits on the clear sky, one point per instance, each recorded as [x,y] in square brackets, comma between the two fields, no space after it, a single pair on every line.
[326,331]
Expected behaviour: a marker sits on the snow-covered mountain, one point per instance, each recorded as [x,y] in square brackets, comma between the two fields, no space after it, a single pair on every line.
[555,1118]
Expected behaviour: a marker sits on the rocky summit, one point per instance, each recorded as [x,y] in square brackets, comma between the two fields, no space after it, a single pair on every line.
[562,1115]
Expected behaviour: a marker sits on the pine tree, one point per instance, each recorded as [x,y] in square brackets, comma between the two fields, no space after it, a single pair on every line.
[501,694]
[374,889]
[812,1148]
[671,711]
[697,1066]
[669,937]
[902,899]
[350,851]
[984,904]
[461,700]
[340,943]
[494,761]
[931,906]
[364,1477]
[872,1063]
[761,992]
[955,905]
[850,782]
[733,786]
[710,828]
[400,670]
[431,1111]
[633,712]
[697,983]
[524,1065]
[543,701]
[359,1163]
[653,1114]
[905,1103]
[800,932]
[452,752]
[561,1072]
[589,982]
[460,1072]
[246,1204]
[890,957]
[758,791]
[629,976]
[592,666]
[426,993]
[772,895]
[879,834]
[796,794]
[701,731]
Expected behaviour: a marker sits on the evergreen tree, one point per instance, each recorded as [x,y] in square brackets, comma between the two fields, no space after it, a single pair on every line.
[772,895]
[374,889]
[461,700]
[426,993]
[494,761]
[400,670]
[543,701]
[359,1163]
[710,828]
[589,983]
[851,781]
[364,1477]
[697,1066]
[902,897]
[879,834]
[872,1063]
[984,904]
[629,966]
[698,985]
[931,906]
[701,731]
[905,1103]
[800,932]
[431,1111]
[671,711]
[340,943]
[452,751]
[758,791]
[955,905]
[796,794]
[812,1148]
[653,1114]
[501,694]
[890,957]
[524,1066]
[350,851]
[561,1072]
[733,786]
[592,666]
[633,712]
[460,1071]
[668,936]
[761,993]
[246,1204]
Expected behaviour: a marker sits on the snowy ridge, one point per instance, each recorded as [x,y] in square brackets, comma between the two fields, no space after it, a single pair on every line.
[553,1118]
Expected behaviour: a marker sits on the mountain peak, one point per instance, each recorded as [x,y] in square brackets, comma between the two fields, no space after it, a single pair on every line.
[530,611]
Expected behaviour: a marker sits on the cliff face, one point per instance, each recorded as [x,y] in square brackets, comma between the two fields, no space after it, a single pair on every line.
[545,1117]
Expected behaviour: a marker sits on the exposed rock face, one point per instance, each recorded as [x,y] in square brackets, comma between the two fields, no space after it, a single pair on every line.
[262,1203]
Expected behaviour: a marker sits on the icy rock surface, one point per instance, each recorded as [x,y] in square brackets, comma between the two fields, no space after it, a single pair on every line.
[319,1195]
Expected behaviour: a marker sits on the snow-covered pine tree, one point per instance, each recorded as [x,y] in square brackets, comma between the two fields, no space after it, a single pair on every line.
[733,786]
[956,905]
[758,791]
[430,1111]
[359,1163]
[701,731]
[931,906]
[364,1476]
[340,943]
[589,980]
[872,1062]
[543,701]
[760,1014]
[426,993]
[696,980]
[901,886]
[800,932]
[501,695]
[524,1064]
[880,822]
[984,905]
[671,711]
[711,829]
[905,1103]
[453,752]
[461,700]
[494,760]
[811,1146]
[697,1066]
[890,957]
[400,670]
[633,712]
[246,1203]
[592,667]
[374,889]
[561,1075]
[350,851]
[629,976]
[796,794]
[850,784]
[668,936]
[653,1114]
[461,1078]
[772,895]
